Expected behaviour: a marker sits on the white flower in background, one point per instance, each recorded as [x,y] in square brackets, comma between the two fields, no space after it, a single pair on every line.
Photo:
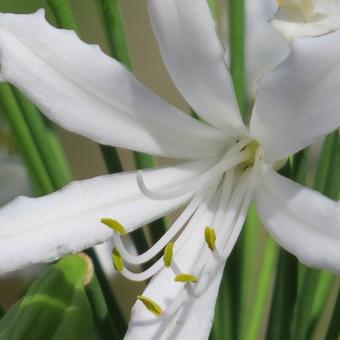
[225,164]
[297,18]
[265,46]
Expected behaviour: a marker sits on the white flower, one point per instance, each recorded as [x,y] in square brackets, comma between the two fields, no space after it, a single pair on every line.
[265,46]
[297,18]
[225,164]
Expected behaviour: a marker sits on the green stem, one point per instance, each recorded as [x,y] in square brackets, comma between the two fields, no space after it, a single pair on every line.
[104,304]
[301,322]
[250,239]
[334,326]
[237,51]
[223,328]
[100,312]
[42,139]
[63,14]
[115,31]
[284,298]
[214,7]
[24,139]
[262,292]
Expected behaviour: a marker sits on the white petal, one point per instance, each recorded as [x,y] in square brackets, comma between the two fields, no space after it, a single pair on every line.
[292,23]
[87,92]
[303,221]
[194,318]
[265,47]
[326,6]
[194,57]
[299,102]
[43,229]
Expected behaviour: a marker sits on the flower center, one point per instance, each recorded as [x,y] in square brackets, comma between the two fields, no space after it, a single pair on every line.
[253,148]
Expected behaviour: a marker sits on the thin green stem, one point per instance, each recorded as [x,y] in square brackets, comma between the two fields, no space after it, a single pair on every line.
[237,51]
[214,7]
[223,328]
[24,139]
[283,302]
[115,31]
[262,292]
[334,326]
[100,312]
[106,305]
[251,248]
[42,139]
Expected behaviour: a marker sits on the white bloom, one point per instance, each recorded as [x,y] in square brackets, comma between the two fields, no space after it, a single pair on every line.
[297,18]
[265,46]
[225,164]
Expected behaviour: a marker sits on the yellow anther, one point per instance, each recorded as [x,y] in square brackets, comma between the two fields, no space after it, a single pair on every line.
[151,305]
[186,278]
[210,238]
[168,253]
[117,260]
[114,225]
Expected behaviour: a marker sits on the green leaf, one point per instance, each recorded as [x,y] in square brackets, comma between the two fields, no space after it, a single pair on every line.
[56,306]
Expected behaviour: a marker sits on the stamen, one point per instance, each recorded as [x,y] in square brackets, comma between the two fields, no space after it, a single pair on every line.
[151,305]
[210,238]
[114,225]
[168,253]
[186,278]
[232,158]
[176,227]
[117,260]
[188,230]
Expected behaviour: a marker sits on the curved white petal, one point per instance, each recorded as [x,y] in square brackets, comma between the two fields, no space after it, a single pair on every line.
[13,179]
[85,91]
[293,24]
[194,57]
[265,47]
[194,317]
[303,221]
[42,229]
[299,102]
